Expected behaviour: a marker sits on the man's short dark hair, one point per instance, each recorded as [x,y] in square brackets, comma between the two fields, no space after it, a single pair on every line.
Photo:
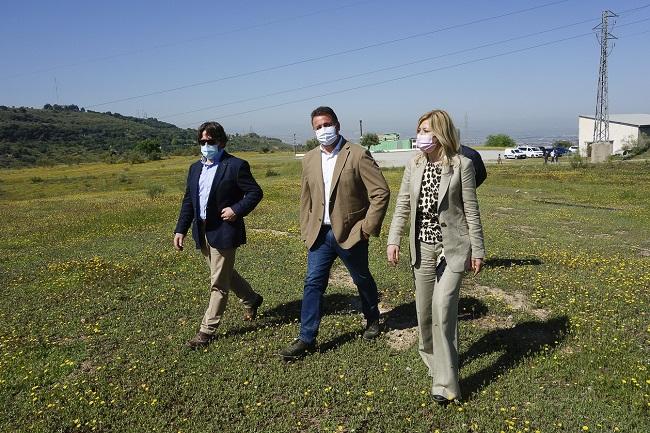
[325,111]
[214,130]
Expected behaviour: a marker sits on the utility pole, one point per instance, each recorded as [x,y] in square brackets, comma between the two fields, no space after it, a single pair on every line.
[360,129]
[601,120]
[295,152]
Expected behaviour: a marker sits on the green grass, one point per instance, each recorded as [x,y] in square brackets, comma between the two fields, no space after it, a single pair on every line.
[96,306]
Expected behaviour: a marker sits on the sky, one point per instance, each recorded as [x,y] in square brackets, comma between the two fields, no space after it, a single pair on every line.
[520,67]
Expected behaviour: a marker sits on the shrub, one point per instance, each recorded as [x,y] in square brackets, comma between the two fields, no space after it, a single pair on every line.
[36,179]
[577,161]
[270,172]
[500,140]
[155,190]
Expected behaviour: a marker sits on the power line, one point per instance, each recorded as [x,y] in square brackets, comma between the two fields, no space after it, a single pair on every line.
[403,77]
[335,54]
[387,68]
[186,41]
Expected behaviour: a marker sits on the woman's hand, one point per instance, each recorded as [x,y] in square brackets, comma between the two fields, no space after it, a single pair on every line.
[477,264]
[392,252]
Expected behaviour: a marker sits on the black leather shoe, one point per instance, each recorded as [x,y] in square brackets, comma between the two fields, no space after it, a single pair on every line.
[297,349]
[372,330]
[250,313]
[441,400]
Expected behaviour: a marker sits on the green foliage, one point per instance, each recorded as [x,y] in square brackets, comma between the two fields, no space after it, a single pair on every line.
[562,143]
[637,147]
[255,142]
[577,161]
[311,143]
[148,146]
[369,140]
[500,140]
[66,134]
[155,190]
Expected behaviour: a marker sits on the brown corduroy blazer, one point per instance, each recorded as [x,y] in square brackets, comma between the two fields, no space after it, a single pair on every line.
[358,197]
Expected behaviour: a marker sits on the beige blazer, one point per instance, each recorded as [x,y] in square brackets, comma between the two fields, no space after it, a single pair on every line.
[458,213]
[358,197]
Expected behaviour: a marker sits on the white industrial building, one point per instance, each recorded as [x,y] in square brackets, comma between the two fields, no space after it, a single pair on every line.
[623,129]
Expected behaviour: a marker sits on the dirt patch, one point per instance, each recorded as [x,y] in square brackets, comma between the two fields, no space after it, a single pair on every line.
[515,300]
[402,339]
[525,229]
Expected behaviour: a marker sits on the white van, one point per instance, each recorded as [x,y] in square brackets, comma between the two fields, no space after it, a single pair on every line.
[531,152]
[512,153]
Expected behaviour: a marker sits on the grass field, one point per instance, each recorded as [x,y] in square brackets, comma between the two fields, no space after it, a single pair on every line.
[96,306]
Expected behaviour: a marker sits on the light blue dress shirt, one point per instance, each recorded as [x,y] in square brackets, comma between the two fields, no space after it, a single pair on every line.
[205,183]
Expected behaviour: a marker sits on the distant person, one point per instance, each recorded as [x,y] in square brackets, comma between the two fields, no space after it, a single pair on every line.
[220,192]
[479,167]
[553,155]
[499,161]
[343,201]
[546,152]
[437,200]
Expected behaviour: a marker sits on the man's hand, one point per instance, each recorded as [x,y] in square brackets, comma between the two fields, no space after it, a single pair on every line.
[364,236]
[477,264]
[392,252]
[227,214]
[178,241]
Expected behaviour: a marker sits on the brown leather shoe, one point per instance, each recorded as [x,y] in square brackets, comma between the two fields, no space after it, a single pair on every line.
[201,339]
[250,313]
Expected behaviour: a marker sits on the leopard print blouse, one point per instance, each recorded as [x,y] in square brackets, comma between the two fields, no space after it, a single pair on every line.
[426,218]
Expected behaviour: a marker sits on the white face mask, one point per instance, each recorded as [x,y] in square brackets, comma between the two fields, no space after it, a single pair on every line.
[327,135]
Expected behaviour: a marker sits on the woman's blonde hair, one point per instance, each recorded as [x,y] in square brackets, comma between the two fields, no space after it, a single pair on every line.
[444,130]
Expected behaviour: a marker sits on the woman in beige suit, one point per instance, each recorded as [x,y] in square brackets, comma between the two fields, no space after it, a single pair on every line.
[438,200]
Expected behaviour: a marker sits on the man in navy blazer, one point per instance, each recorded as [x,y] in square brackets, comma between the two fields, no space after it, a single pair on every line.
[220,192]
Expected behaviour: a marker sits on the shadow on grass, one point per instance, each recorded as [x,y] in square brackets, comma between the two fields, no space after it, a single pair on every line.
[507,262]
[525,339]
[404,316]
[289,312]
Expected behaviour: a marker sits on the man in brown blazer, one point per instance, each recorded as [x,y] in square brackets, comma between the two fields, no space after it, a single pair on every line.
[343,201]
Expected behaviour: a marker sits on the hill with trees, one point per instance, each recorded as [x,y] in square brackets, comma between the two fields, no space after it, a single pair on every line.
[64,134]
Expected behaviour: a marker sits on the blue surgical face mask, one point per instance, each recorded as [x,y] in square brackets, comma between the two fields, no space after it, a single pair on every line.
[327,135]
[210,151]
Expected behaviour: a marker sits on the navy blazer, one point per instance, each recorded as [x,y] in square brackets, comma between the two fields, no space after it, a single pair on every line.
[234,187]
[479,167]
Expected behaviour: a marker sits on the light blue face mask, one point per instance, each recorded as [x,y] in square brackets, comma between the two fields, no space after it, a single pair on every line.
[210,151]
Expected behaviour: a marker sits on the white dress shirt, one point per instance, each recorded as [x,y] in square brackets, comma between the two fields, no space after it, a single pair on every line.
[328,161]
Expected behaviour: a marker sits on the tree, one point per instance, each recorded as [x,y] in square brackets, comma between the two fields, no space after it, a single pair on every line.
[149,147]
[370,139]
[500,140]
[562,143]
[311,143]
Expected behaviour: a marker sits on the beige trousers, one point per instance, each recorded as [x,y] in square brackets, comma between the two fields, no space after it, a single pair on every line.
[223,278]
[437,312]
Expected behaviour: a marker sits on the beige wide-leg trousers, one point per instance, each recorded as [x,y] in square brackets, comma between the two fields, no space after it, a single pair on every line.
[223,278]
[437,312]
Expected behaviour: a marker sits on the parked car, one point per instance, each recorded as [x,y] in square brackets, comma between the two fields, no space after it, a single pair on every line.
[531,152]
[512,153]
[560,150]
[574,149]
